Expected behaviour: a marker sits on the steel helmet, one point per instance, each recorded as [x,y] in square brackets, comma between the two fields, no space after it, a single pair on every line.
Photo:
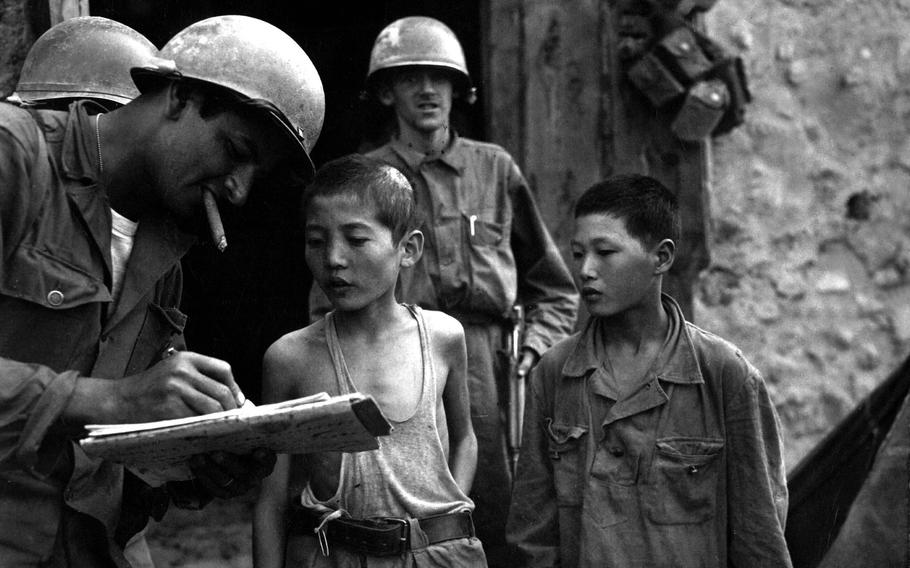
[84,57]
[420,41]
[255,60]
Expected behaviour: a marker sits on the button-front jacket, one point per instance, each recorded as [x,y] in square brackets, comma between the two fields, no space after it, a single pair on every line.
[58,321]
[685,470]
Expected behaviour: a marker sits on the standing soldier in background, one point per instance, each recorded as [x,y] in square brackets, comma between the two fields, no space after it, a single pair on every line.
[487,247]
[92,329]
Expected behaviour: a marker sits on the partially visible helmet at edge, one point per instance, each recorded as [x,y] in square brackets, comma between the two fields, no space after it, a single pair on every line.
[85,57]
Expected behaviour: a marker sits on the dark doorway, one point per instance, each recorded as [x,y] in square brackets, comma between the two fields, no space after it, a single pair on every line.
[239,302]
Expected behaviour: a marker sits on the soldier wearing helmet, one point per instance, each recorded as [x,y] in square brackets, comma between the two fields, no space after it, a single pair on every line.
[487,247]
[96,212]
[87,57]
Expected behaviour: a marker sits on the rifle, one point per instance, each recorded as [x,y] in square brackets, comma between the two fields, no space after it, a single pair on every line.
[516,405]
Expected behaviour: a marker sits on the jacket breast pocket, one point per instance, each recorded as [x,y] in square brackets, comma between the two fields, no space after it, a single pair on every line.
[565,447]
[491,266]
[51,310]
[160,328]
[484,233]
[684,477]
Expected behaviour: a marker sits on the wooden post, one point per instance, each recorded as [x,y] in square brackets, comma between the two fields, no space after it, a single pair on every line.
[560,103]
[65,9]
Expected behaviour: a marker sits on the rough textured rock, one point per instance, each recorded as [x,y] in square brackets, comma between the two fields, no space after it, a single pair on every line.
[810,205]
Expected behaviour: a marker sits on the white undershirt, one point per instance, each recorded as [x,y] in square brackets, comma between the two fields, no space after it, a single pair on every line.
[123,232]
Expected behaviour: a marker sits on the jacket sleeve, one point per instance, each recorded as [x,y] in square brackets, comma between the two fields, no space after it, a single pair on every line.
[533,524]
[20,192]
[545,285]
[32,397]
[756,478]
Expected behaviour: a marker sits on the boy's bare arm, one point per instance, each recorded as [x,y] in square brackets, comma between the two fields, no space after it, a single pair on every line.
[462,441]
[269,530]
[284,377]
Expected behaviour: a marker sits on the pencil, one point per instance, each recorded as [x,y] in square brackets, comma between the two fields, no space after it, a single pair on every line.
[215,224]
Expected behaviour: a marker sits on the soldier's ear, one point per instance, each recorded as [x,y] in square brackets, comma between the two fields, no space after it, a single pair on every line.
[412,248]
[385,95]
[664,255]
[179,96]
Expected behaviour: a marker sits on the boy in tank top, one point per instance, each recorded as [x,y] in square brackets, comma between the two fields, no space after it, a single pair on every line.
[404,504]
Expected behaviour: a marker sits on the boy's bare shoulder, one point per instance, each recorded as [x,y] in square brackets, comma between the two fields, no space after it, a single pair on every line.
[442,327]
[298,343]
[300,361]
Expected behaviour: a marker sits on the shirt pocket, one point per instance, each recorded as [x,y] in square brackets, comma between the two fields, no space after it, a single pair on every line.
[483,233]
[684,478]
[492,273]
[565,447]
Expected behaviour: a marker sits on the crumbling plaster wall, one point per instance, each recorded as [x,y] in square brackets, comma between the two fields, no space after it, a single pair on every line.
[810,270]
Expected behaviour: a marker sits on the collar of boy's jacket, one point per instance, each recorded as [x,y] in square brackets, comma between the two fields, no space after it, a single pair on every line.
[679,365]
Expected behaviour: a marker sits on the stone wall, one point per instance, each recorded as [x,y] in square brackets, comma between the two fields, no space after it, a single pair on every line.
[810,271]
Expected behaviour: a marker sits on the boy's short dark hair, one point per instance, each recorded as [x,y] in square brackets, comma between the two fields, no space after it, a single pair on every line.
[370,182]
[649,209]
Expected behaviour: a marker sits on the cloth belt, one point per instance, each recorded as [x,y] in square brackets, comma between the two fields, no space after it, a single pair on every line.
[386,536]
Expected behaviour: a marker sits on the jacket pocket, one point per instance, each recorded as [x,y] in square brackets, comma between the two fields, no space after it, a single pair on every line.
[51,310]
[566,451]
[49,281]
[161,327]
[684,477]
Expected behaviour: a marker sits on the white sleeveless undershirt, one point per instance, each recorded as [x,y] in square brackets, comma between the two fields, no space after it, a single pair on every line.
[408,476]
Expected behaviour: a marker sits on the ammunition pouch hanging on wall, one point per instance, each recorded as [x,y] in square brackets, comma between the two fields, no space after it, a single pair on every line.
[688,73]
[701,111]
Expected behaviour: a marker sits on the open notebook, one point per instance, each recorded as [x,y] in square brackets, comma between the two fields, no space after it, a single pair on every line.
[158,451]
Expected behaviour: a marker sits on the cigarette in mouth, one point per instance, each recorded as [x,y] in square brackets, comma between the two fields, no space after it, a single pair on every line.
[215,224]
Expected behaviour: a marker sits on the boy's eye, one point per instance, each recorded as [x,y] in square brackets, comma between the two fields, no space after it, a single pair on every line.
[605,252]
[358,241]
[314,241]
[577,255]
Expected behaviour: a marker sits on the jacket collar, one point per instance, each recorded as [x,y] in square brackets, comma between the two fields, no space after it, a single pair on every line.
[680,365]
[79,157]
[454,155]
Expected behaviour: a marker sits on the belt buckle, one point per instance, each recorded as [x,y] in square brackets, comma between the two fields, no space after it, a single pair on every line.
[404,531]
